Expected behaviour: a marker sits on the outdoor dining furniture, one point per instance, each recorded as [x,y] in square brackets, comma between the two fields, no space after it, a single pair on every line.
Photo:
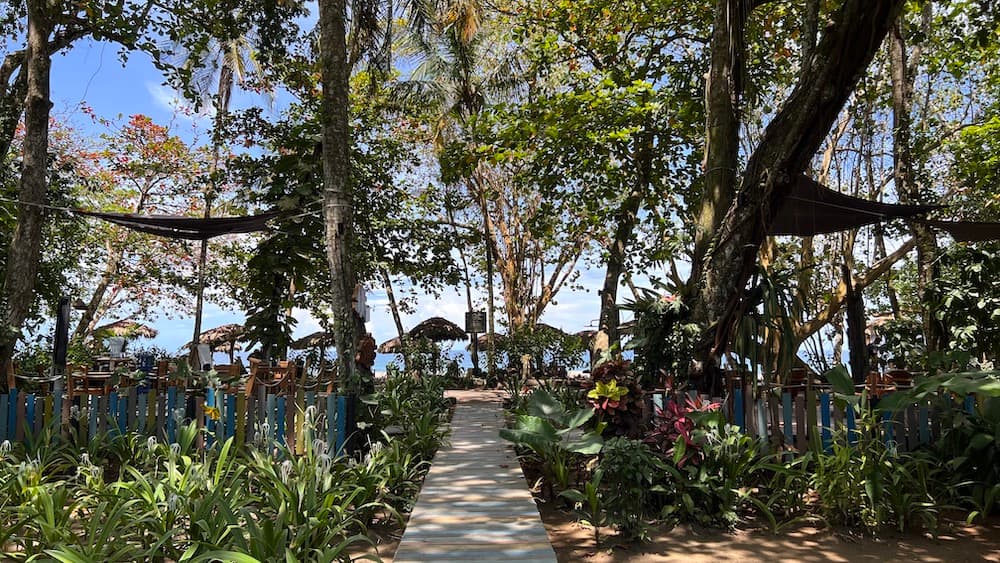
[82,381]
[279,377]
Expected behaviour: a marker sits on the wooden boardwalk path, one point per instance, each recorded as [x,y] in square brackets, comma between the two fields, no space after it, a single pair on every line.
[475,504]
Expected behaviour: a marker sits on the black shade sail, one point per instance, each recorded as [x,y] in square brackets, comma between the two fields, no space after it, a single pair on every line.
[191,228]
[968,231]
[812,209]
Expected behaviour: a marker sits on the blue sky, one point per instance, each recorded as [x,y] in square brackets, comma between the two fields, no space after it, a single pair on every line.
[93,73]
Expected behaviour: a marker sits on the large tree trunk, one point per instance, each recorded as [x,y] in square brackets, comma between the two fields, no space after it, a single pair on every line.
[722,129]
[23,256]
[788,144]
[338,206]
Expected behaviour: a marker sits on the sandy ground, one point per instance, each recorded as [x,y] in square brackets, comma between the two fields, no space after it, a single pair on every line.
[574,542]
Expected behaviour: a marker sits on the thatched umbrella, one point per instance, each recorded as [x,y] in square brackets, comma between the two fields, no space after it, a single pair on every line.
[434,329]
[437,329]
[319,339]
[391,346]
[126,328]
[222,338]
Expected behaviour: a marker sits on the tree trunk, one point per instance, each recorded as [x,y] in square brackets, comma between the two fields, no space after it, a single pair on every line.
[338,207]
[23,255]
[906,185]
[722,128]
[394,309]
[789,142]
[87,320]
[627,218]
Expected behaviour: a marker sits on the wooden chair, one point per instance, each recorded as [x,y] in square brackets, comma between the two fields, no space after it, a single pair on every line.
[281,377]
[80,381]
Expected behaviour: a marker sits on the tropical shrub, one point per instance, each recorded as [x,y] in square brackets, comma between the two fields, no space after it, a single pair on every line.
[554,435]
[617,398]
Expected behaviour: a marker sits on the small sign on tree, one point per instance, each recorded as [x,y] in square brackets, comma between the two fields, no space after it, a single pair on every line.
[475,322]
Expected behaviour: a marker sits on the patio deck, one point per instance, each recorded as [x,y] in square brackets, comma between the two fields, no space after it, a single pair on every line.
[475,505]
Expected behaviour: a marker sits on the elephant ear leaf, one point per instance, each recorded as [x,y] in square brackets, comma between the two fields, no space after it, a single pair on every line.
[840,380]
[543,404]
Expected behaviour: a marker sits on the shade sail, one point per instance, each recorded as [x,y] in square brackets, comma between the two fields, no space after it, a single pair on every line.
[812,209]
[968,231]
[190,228]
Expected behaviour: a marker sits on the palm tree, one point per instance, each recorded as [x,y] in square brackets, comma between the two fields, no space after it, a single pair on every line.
[224,64]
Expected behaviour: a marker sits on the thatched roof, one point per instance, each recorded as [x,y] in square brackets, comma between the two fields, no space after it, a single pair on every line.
[126,328]
[391,346]
[318,339]
[221,338]
[437,329]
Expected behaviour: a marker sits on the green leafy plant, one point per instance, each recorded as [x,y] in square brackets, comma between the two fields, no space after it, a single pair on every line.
[554,433]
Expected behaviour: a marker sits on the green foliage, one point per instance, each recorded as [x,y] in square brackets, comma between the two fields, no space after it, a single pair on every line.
[663,338]
[965,300]
[554,433]
[631,472]
[129,498]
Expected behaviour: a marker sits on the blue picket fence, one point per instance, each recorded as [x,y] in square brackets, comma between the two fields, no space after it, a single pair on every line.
[265,419]
[790,421]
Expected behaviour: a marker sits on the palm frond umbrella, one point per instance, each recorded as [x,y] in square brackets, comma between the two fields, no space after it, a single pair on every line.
[222,338]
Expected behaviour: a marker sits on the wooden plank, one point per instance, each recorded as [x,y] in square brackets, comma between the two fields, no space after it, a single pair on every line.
[199,421]
[912,435]
[738,409]
[4,401]
[240,430]
[12,414]
[230,416]
[141,412]
[786,417]
[169,415]
[112,410]
[103,414]
[21,406]
[29,415]
[970,404]
[762,420]
[270,424]
[294,422]
[341,423]
[331,421]
[925,430]
[887,430]
[775,436]
[852,432]
[280,418]
[811,423]
[50,412]
[800,422]
[220,431]
[132,413]
[824,413]
[252,419]
[160,419]
[94,416]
